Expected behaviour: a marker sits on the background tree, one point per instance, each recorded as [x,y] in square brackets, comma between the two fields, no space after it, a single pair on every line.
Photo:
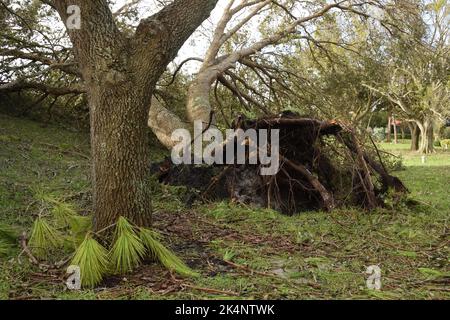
[419,66]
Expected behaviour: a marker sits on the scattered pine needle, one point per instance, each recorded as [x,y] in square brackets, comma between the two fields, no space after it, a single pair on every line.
[63,213]
[8,234]
[44,238]
[161,254]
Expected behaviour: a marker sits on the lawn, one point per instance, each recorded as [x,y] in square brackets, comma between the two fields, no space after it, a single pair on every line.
[240,252]
[414,159]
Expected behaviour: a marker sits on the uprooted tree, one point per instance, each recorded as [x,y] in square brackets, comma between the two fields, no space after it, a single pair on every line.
[118,67]
[323,165]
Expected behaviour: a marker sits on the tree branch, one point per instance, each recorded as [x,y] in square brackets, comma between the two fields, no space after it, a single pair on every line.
[20,85]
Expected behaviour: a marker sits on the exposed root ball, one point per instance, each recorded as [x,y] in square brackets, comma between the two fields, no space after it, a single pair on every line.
[323,165]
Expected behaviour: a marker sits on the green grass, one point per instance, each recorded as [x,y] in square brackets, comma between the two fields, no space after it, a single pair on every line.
[312,255]
[441,158]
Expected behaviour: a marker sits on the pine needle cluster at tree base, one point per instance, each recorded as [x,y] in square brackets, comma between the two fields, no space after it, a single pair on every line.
[61,230]
[92,258]
[127,250]
[131,245]
[160,253]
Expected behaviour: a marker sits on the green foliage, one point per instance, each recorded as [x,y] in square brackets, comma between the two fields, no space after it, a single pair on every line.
[228,255]
[8,239]
[392,162]
[445,144]
[44,238]
[161,254]
[71,226]
[41,195]
[446,133]
[128,249]
[433,274]
[379,134]
[409,254]
[437,143]
[5,247]
[92,258]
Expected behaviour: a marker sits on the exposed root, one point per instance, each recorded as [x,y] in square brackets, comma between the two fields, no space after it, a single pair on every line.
[323,165]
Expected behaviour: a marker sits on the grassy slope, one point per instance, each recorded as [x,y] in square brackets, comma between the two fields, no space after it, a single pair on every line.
[312,255]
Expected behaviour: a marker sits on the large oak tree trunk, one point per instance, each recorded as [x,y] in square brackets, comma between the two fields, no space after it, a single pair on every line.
[120,154]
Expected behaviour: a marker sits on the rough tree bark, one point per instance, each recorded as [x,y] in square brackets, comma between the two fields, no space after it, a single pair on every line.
[120,74]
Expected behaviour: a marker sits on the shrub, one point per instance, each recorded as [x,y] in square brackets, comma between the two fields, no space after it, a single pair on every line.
[379,134]
[437,143]
[8,239]
[445,144]
[393,163]
[446,133]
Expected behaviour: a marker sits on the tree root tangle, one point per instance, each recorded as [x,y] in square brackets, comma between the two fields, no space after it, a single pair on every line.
[323,165]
